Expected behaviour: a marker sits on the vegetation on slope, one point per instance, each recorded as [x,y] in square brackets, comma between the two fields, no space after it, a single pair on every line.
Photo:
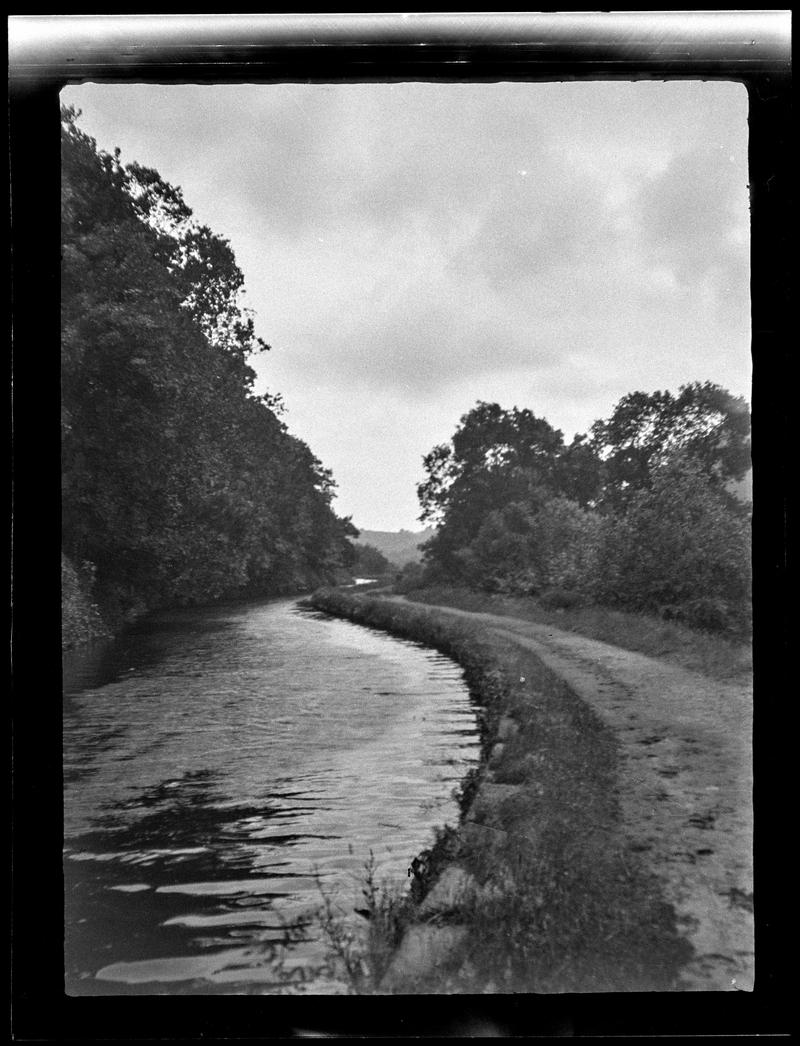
[180,483]
[400,547]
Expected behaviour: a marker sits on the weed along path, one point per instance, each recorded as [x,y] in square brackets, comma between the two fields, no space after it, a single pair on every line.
[684,783]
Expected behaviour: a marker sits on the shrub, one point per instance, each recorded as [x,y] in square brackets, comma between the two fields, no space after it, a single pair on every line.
[566,540]
[411,577]
[682,550]
[526,549]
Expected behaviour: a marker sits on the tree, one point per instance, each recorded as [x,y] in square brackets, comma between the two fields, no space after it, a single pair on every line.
[498,458]
[179,483]
[201,262]
[704,422]
[370,562]
[490,448]
[528,551]
[518,510]
[680,550]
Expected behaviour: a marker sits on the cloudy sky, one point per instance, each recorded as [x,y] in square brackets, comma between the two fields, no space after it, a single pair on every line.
[409,249]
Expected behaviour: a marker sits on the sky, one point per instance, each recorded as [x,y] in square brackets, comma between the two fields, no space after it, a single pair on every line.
[410,249]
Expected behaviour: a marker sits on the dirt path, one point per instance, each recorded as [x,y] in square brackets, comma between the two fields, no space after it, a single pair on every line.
[685,786]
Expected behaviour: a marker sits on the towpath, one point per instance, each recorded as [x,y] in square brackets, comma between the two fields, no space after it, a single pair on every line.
[685,783]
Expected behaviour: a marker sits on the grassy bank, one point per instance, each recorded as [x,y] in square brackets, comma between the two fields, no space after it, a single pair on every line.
[707,653]
[546,896]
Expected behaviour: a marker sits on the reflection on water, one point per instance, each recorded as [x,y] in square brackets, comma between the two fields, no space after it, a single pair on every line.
[220,766]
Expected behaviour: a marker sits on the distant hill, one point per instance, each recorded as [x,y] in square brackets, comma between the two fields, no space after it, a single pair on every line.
[399,546]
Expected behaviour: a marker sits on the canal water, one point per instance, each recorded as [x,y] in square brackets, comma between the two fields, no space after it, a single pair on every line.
[226,771]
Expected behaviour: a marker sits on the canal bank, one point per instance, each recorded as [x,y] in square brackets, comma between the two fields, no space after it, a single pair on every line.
[595,850]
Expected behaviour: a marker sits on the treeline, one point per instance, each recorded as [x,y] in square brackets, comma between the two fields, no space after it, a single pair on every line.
[370,562]
[637,514]
[180,484]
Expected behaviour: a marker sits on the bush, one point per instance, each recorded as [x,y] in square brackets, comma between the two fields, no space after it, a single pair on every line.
[526,549]
[566,539]
[682,551]
[411,577]
[370,562]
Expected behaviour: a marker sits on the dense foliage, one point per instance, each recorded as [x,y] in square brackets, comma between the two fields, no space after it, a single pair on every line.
[501,467]
[704,423]
[180,484]
[638,515]
[370,562]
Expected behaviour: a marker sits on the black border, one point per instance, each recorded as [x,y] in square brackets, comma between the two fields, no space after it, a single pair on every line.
[311,49]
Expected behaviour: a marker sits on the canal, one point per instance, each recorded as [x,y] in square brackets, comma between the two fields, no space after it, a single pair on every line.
[228,768]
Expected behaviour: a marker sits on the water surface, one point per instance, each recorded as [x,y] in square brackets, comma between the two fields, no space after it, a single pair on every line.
[223,769]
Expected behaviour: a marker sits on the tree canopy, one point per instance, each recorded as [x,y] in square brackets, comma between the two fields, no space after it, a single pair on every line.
[637,515]
[704,422]
[496,458]
[179,482]
[370,562]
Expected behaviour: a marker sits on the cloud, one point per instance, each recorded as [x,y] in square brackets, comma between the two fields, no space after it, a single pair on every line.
[346,156]
[692,222]
[411,248]
[426,336]
[545,224]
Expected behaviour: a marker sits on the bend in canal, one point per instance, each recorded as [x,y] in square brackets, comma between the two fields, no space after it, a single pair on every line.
[224,766]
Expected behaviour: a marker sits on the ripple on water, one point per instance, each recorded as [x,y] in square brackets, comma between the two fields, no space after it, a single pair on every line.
[241,759]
